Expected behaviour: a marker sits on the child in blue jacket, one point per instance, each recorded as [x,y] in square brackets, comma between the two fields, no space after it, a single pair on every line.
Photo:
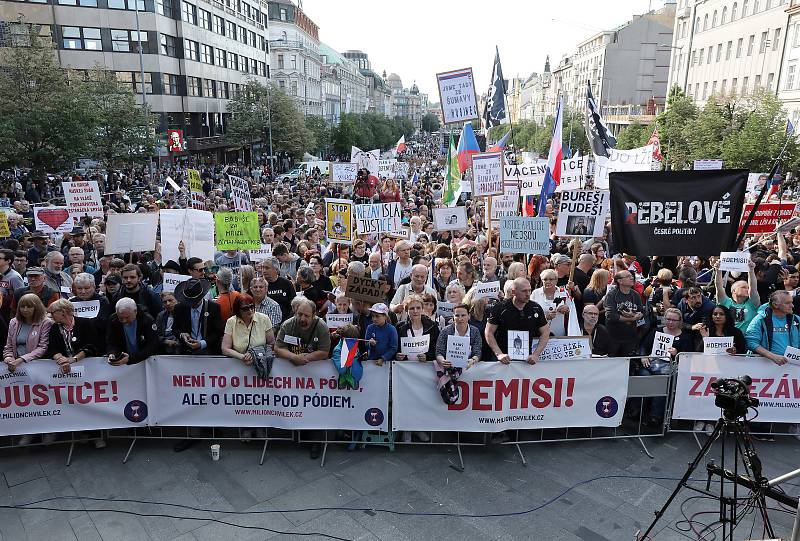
[381,335]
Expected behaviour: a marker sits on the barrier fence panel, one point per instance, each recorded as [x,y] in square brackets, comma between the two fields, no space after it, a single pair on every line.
[777,387]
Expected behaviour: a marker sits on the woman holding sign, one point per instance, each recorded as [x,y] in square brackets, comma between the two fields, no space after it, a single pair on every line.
[448,367]
[720,324]
[554,305]
[72,339]
[414,330]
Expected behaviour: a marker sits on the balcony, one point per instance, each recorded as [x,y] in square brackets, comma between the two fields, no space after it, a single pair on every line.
[198,144]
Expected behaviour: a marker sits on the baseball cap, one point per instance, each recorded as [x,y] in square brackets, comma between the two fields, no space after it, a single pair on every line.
[34,270]
[380,308]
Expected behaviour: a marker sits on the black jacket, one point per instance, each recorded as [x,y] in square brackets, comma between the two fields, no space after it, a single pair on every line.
[146,337]
[84,338]
[145,298]
[211,325]
[428,327]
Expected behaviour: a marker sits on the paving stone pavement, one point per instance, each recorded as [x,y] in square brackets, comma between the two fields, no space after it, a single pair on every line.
[416,479]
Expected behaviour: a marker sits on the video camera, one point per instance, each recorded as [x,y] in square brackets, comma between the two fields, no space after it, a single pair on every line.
[733,396]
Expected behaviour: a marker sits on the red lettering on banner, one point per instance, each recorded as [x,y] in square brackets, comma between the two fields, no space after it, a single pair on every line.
[502,391]
[40,394]
[570,389]
[539,387]
[463,395]
[479,395]
[767,386]
[179,380]
[499,395]
[709,389]
[694,391]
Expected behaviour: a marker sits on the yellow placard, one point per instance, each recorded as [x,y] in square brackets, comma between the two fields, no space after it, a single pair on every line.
[339,220]
[4,230]
[195,184]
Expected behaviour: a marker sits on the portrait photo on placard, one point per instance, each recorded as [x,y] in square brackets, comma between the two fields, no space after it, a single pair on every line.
[450,218]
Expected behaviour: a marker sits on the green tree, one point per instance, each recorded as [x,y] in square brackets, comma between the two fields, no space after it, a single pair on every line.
[705,133]
[574,132]
[321,133]
[45,116]
[430,123]
[123,131]
[672,123]
[634,135]
[345,134]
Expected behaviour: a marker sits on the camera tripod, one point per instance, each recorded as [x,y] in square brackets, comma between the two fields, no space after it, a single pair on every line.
[754,480]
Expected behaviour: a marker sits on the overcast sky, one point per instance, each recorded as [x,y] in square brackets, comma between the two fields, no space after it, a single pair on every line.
[418,38]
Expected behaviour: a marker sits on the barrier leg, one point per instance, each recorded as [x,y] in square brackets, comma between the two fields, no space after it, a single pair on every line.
[324,450]
[796,528]
[697,440]
[521,455]
[644,447]
[130,448]
[460,456]
[263,451]
[71,448]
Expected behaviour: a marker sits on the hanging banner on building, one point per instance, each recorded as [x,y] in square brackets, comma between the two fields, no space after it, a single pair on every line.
[776,387]
[237,231]
[582,213]
[344,173]
[38,398]
[450,218]
[531,175]
[175,141]
[525,235]
[240,194]
[339,221]
[676,212]
[194,227]
[52,219]
[196,189]
[487,174]
[495,397]
[636,159]
[457,96]
[504,205]
[378,218]
[768,216]
[83,199]
[220,391]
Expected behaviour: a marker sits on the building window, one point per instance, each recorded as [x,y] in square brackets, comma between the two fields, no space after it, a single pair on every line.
[230,30]
[696,90]
[739,47]
[283,14]
[222,57]
[280,62]
[168,46]
[190,50]
[755,6]
[125,41]
[702,55]
[724,88]
[205,18]
[705,24]
[719,53]
[193,86]
[234,90]
[770,81]
[82,3]
[20,33]
[728,50]
[209,88]
[206,54]
[757,82]
[133,80]
[166,8]
[705,90]
[262,69]
[127,4]
[243,34]
[252,39]
[734,83]
[724,15]
[170,83]
[750,43]
[76,37]
[254,66]
[790,78]
[219,25]
[222,90]
[293,88]
[188,13]
[233,61]
[745,80]
[282,84]
[714,20]
[733,11]
[294,62]
[713,88]
[776,39]
[710,54]
[763,44]
[744,9]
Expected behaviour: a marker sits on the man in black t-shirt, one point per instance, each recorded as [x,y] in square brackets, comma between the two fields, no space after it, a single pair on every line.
[279,289]
[518,313]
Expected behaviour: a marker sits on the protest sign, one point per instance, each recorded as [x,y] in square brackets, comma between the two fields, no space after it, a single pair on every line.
[403,234]
[445,309]
[38,398]
[334,321]
[83,199]
[792,355]
[196,189]
[52,219]
[450,218]
[530,176]
[237,230]
[519,345]
[365,289]
[636,159]
[582,213]
[378,218]
[487,174]
[734,261]
[173,184]
[86,309]
[774,385]
[486,290]
[401,170]
[506,204]
[676,212]
[339,220]
[131,232]
[767,216]
[171,281]
[457,96]
[494,397]
[366,159]
[220,391]
[525,235]
[240,194]
[458,350]
[386,168]
[4,229]
[261,254]
[561,348]
[707,165]
[415,345]
[715,345]
[344,172]
[194,227]
[662,344]
[788,225]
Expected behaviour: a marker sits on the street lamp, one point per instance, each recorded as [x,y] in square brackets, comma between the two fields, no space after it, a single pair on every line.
[269,102]
[141,74]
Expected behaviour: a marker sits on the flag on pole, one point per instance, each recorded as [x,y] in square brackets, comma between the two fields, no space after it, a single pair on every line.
[789,127]
[467,145]
[452,176]
[552,172]
[656,142]
[401,145]
[501,144]
[495,112]
[415,178]
[529,206]
[774,186]
[600,139]
[349,352]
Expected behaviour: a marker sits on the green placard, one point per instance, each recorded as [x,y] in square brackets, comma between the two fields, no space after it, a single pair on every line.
[237,230]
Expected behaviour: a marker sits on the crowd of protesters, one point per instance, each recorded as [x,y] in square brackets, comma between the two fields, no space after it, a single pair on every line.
[232,306]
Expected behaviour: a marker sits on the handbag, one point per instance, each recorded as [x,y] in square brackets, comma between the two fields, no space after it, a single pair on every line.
[263,359]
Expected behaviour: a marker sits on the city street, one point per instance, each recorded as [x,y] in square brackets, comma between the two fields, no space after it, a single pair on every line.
[409,480]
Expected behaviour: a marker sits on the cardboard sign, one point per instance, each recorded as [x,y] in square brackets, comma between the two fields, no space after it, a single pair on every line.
[734,261]
[171,281]
[450,218]
[415,345]
[378,218]
[237,230]
[240,194]
[339,221]
[486,290]
[661,344]
[262,253]
[582,213]
[334,321]
[767,217]
[52,219]
[519,345]
[457,96]
[525,235]
[568,347]
[127,233]
[458,350]
[344,172]
[196,189]
[194,227]
[83,198]
[715,345]
[792,355]
[87,309]
[487,174]
[365,289]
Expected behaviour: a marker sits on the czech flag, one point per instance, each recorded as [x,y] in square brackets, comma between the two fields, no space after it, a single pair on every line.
[552,174]
[401,145]
[349,352]
[529,206]
[501,144]
[467,146]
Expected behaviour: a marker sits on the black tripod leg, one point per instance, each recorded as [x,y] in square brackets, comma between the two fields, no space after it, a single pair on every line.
[752,466]
[689,471]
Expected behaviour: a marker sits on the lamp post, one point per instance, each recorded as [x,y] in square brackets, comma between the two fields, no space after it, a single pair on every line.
[141,74]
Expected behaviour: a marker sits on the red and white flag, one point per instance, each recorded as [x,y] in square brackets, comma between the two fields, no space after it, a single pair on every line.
[401,145]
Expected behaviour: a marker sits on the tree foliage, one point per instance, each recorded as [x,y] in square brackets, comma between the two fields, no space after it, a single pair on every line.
[369,131]
[430,123]
[672,128]
[634,135]
[321,133]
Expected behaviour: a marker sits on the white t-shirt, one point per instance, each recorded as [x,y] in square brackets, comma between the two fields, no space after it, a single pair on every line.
[401,272]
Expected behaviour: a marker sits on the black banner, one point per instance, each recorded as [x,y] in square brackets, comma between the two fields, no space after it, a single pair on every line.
[676,212]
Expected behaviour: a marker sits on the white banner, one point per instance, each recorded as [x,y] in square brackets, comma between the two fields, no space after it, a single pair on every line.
[506,204]
[83,198]
[39,398]
[457,96]
[386,168]
[220,391]
[496,397]
[378,218]
[776,387]
[240,194]
[134,232]
[706,165]
[487,174]
[365,159]
[734,261]
[260,255]
[637,159]
[531,175]
[344,172]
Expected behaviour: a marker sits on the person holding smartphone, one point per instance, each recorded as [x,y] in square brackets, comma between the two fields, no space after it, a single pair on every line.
[131,334]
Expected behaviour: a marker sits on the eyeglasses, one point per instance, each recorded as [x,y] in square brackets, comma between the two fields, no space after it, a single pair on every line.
[672,320]
[247,308]
[548,279]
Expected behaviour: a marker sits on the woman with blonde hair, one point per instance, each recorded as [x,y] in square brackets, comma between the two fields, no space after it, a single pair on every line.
[248,272]
[596,290]
[554,305]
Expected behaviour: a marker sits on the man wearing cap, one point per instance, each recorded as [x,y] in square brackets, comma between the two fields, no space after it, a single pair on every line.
[39,249]
[198,323]
[112,283]
[36,285]
[77,238]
